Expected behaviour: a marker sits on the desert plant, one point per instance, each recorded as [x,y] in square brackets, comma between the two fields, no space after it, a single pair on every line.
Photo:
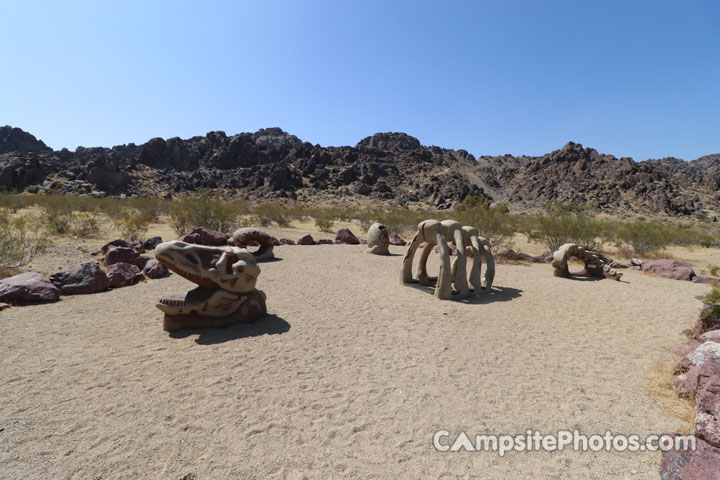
[205,210]
[324,224]
[559,224]
[133,224]
[84,223]
[645,236]
[493,222]
[271,212]
[713,270]
[21,239]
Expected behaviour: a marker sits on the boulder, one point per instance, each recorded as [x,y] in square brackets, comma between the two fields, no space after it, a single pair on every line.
[306,240]
[205,236]
[124,274]
[154,269]
[708,352]
[703,463]
[619,265]
[152,242]
[137,245]
[711,336]
[81,279]
[324,241]
[671,269]
[707,404]
[706,280]
[27,287]
[141,261]
[3,306]
[286,241]
[114,243]
[686,383]
[345,236]
[118,254]
[396,240]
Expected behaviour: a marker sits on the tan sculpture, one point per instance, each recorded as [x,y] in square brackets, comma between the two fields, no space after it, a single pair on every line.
[378,239]
[226,293]
[595,264]
[246,236]
[467,243]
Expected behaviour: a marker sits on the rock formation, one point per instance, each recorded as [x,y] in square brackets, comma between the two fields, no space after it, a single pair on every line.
[595,264]
[378,239]
[226,293]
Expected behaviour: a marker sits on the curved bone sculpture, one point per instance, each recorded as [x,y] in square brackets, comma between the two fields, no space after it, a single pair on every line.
[246,236]
[378,239]
[465,239]
[226,293]
[595,264]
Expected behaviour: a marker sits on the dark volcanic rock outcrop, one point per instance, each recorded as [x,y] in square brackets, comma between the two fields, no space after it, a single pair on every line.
[390,167]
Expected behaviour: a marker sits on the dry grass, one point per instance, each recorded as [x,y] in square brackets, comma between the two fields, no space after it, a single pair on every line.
[665,397]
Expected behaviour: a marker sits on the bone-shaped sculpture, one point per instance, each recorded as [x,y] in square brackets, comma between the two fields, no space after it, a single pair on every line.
[595,264]
[467,242]
[226,294]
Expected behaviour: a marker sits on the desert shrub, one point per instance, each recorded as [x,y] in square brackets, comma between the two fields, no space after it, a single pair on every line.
[21,239]
[272,212]
[84,223]
[493,222]
[149,208]
[713,270]
[559,224]
[204,210]
[70,214]
[645,236]
[324,224]
[14,202]
[133,224]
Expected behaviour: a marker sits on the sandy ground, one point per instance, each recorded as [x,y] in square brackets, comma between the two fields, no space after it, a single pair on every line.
[349,377]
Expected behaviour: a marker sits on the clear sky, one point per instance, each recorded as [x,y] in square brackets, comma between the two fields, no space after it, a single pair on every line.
[630,78]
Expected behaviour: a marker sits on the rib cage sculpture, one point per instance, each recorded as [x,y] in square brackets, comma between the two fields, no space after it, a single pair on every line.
[595,264]
[226,292]
[468,243]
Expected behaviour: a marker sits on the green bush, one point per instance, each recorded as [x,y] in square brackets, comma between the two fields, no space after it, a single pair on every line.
[493,222]
[133,224]
[205,210]
[645,236]
[560,224]
[271,212]
[21,239]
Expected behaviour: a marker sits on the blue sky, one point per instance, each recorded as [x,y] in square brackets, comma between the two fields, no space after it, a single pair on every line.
[630,78]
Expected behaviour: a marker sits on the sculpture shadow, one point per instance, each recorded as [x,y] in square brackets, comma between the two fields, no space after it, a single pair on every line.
[269,325]
[272,260]
[495,294]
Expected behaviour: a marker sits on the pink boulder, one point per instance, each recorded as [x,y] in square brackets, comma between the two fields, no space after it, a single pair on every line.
[3,306]
[703,463]
[345,236]
[155,269]
[27,287]
[141,261]
[706,280]
[119,254]
[205,236]
[124,274]
[286,241]
[711,336]
[306,240]
[396,240]
[685,384]
[81,279]
[671,269]
[324,241]
[707,404]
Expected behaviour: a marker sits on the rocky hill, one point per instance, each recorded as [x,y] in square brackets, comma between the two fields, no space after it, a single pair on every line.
[386,167]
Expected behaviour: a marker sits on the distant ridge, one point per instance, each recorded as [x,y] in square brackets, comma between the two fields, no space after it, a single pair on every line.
[391,167]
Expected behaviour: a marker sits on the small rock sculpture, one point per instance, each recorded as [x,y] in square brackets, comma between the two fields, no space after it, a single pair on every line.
[249,236]
[596,265]
[378,239]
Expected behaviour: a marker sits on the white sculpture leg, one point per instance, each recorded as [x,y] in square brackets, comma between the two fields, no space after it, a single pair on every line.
[443,290]
[423,277]
[406,276]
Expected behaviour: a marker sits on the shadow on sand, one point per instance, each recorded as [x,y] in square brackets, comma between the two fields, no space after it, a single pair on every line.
[270,325]
[496,294]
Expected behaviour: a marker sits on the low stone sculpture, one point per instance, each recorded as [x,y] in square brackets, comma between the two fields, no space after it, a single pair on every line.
[226,293]
[467,242]
[596,265]
[247,236]
[378,239]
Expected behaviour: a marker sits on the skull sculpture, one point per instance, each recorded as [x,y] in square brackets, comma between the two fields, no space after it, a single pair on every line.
[466,240]
[226,293]
[595,264]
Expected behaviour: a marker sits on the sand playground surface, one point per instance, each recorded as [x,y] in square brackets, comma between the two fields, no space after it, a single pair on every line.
[349,377]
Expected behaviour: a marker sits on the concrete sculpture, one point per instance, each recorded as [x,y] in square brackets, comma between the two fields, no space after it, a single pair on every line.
[595,264]
[378,239]
[248,236]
